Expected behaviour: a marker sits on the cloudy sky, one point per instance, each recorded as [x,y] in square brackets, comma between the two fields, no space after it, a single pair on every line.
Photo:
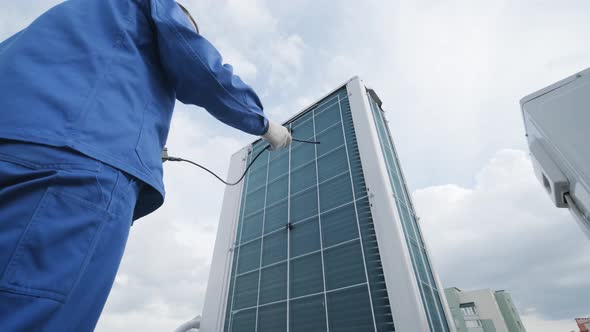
[450,73]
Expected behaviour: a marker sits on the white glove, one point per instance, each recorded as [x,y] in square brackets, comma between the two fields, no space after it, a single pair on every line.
[277,136]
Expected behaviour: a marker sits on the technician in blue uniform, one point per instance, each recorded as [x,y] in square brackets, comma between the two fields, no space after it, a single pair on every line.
[86,96]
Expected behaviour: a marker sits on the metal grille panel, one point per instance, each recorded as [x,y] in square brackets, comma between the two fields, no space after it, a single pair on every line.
[306,257]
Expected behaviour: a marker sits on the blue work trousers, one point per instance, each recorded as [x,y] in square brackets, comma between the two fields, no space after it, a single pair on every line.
[64,223]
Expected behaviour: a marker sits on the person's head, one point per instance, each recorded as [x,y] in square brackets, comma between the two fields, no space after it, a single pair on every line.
[190,17]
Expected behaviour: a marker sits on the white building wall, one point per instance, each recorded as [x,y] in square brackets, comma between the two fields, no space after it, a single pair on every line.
[486,308]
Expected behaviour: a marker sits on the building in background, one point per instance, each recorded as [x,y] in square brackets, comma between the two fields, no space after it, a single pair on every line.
[324,237]
[583,324]
[483,311]
[556,122]
[509,312]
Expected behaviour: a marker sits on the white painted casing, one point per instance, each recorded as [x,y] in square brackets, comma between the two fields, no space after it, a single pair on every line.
[556,121]
[219,275]
[402,286]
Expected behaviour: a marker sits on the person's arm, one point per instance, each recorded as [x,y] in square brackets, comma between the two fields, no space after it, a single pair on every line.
[198,74]
[7,42]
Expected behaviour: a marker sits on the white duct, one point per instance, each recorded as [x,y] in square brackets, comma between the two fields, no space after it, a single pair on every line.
[193,324]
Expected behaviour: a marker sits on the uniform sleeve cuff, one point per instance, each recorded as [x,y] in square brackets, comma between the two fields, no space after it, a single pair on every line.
[266,127]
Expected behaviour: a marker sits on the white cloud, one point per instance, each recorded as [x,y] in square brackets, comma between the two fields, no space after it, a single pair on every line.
[17,16]
[253,15]
[243,67]
[269,56]
[450,73]
[535,323]
[287,61]
[138,321]
[504,233]
[122,279]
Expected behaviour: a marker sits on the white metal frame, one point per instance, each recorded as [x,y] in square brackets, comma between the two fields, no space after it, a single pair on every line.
[220,274]
[446,314]
[317,183]
[400,279]
[408,202]
[563,179]
[401,282]
[262,239]
[357,213]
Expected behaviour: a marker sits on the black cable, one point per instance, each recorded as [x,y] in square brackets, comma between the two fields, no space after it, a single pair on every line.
[304,141]
[217,176]
[245,171]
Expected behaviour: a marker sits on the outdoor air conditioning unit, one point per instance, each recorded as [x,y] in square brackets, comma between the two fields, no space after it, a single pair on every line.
[557,120]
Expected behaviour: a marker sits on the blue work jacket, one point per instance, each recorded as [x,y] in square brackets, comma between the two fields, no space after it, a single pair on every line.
[102,76]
